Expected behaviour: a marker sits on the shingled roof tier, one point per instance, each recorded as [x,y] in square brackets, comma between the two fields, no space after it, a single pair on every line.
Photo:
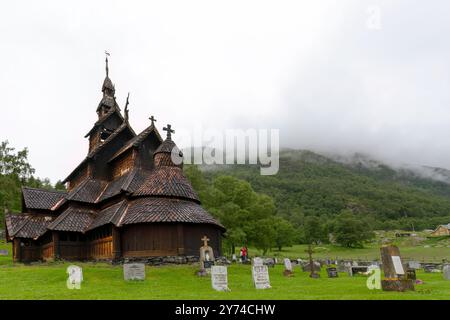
[73,219]
[168,182]
[110,214]
[87,191]
[27,226]
[153,210]
[41,198]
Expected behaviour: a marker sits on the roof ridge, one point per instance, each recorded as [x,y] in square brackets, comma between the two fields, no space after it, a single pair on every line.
[137,139]
[124,213]
[123,205]
[45,190]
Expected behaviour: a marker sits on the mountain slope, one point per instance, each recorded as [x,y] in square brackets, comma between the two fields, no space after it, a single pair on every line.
[313,184]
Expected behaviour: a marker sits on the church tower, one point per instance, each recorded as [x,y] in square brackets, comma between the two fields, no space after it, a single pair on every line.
[109,116]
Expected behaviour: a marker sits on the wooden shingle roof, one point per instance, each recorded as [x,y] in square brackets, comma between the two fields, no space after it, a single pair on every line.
[152,210]
[41,198]
[27,226]
[73,219]
[168,182]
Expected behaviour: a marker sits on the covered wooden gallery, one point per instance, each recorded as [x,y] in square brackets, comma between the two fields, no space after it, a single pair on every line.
[128,198]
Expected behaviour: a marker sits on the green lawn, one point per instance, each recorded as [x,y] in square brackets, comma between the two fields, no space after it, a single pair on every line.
[103,281]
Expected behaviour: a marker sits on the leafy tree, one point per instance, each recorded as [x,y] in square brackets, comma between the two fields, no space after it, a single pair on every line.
[313,230]
[351,231]
[285,233]
[262,234]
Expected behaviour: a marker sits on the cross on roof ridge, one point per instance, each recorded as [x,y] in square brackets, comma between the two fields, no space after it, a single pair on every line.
[152,119]
[169,131]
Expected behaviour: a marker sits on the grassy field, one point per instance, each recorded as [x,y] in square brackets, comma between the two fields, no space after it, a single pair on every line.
[103,281]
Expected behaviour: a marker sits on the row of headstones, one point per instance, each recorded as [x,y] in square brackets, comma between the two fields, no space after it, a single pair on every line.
[219,274]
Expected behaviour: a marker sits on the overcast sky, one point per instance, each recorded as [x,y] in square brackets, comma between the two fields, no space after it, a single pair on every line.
[368,76]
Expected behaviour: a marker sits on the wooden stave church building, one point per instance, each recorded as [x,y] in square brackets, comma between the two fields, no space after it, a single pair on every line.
[127,199]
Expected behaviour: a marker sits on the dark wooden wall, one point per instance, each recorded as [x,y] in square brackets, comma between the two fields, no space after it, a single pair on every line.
[192,238]
[149,240]
[161,239]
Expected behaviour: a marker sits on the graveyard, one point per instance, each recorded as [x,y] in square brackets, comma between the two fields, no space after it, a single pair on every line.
[105,281]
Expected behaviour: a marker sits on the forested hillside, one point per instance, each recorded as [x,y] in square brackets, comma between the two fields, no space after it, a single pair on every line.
[309,184]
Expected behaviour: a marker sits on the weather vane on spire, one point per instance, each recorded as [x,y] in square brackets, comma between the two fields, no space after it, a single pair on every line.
[107,55]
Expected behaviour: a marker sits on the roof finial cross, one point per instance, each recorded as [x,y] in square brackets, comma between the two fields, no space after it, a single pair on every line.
[152,119]
[126,107]
[169,131]
[205,241]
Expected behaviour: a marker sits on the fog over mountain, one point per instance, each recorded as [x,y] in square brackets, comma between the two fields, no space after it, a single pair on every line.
[335,77]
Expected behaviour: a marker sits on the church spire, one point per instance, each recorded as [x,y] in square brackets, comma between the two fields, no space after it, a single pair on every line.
[106,63]
[109,100]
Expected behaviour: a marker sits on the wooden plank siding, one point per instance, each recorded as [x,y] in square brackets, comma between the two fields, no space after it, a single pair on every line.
[149,240]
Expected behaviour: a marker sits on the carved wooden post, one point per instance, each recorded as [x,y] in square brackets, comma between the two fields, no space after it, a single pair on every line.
[180,239]
[16,250]
[56,246]
[116,247]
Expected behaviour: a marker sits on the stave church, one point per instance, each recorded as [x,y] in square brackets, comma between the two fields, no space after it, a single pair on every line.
[127,199]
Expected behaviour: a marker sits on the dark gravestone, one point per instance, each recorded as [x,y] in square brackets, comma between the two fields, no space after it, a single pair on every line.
[395,278]
[411,274]
[332,272]
[307,268]
[359,270]
[428,268]
[208,264]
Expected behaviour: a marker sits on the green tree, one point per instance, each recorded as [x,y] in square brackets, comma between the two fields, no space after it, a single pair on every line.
[262,234]
[313,230]
[285,233]
[351,231]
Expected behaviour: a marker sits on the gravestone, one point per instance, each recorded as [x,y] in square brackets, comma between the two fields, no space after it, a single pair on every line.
[395,278]
[430,268]
[4,252]
[260,275]
[234,258]
[75,277]
[414,265]
[374,280]
[307,267]
[257,262]
[134,271]
[446,272]
[359,270]
[332,272]
[206,258]
[287,268]
[411,274]
[269,262]
[219,278]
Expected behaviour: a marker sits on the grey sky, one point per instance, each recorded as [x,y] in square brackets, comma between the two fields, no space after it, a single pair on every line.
[311,68]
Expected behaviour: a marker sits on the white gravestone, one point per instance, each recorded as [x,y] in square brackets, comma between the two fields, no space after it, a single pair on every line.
[397,265]
[219,278]
[260,276]
[446,272]
[4,252]
[75,277]
[287,264]
[257,262]
[414,265]
[134,271]
[374,279]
